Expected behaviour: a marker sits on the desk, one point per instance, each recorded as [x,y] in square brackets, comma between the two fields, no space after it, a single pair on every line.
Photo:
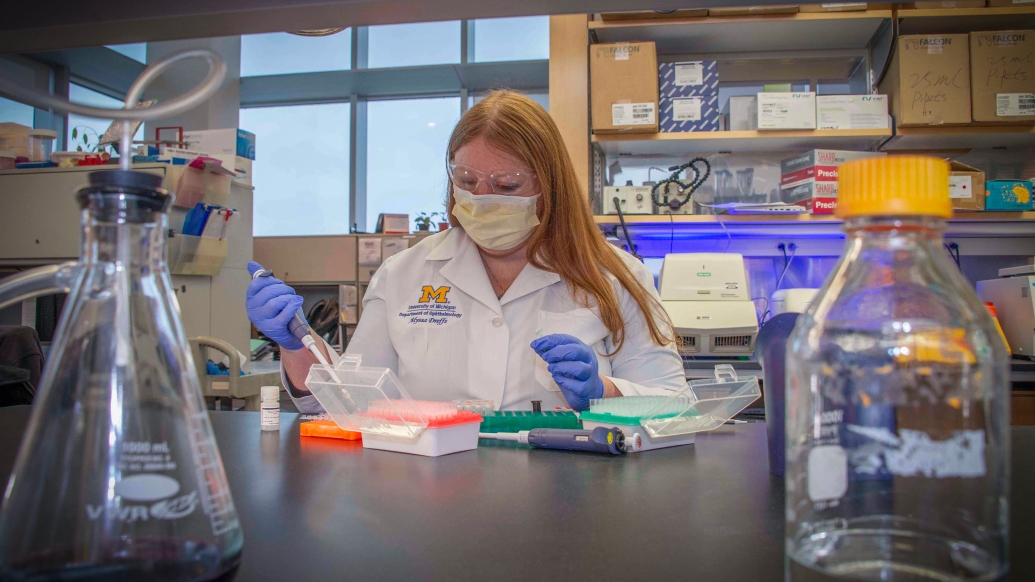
[325,510]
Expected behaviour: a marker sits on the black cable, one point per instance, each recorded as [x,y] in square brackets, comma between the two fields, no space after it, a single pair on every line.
[684,187]
[954,252]
[625,229]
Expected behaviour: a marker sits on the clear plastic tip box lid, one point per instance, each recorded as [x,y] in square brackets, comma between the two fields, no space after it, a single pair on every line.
[703,405]
[371,400]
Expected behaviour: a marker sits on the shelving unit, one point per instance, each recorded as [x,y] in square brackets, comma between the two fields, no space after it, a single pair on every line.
[963,20]
[727,34]
[960,138]
[668,144]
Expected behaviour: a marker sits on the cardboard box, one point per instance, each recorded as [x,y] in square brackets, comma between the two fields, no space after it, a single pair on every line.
[742,112]
[852,112]
[1005,3]
[966,187]
[222,142]
[949,4]
[653,15]
[786,111]
[753,10]
[928,80]
[837,7]
[1008,195]
[1002,72]
[624,87]
[810,179]
[689,96]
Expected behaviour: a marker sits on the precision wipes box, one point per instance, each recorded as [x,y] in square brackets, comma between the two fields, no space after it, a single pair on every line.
[624,86]
[810,179]
[786,111]
[928,80]
[1002,72]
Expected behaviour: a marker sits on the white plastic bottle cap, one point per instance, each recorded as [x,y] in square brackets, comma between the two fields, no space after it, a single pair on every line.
[270,392]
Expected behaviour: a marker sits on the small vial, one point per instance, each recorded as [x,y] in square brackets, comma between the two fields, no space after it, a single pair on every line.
[270,407]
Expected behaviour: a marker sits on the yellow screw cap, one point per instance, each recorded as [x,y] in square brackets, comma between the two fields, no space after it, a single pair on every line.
[894,186]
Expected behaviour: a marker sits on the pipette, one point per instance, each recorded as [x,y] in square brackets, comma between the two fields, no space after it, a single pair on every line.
[299,327]
[598,440]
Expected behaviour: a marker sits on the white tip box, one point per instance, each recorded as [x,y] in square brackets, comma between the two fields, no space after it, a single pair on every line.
[852,112]
[786,111]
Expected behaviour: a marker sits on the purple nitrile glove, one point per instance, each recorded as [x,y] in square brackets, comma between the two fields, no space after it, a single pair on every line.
[574,366]
[271,305]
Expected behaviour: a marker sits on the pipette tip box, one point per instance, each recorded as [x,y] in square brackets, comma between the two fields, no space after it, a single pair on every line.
[372,401]
[442,436]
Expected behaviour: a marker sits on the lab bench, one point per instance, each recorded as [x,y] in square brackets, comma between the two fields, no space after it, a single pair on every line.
[317,509]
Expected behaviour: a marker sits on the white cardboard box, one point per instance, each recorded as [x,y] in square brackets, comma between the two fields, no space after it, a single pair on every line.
[786,111]
[743,112]
[852,112]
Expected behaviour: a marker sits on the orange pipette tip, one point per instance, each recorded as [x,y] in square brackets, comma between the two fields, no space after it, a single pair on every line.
[327,429]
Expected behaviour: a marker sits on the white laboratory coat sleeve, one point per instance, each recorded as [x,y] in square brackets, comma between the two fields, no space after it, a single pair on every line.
[642,367]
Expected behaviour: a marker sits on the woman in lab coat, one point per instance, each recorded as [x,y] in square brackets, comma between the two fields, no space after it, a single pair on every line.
[522,300]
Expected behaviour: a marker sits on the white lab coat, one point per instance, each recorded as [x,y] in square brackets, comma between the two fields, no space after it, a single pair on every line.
[431,315]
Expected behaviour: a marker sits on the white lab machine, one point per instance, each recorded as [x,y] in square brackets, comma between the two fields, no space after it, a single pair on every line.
[706,295]
[631,199]
[1013,296]
[791,300]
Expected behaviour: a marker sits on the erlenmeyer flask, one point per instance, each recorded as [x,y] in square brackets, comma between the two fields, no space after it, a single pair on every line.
[118,476]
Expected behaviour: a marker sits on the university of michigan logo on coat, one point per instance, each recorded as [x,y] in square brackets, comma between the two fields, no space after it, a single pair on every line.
[432,308]
[429,294]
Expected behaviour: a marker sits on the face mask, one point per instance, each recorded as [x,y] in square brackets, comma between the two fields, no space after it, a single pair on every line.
[495,222]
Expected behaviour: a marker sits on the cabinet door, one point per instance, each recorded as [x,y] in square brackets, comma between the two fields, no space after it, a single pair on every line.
[194,294]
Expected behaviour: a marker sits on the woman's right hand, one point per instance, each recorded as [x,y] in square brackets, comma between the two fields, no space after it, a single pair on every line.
[271,305]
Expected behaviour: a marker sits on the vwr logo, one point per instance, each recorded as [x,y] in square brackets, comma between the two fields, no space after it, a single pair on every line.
[146,488]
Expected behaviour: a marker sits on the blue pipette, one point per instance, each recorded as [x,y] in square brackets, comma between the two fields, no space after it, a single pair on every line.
[598,440]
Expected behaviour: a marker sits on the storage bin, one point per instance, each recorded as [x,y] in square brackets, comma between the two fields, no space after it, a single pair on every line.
[196,255]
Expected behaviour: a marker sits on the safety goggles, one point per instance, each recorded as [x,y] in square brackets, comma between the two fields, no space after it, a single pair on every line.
[506,183]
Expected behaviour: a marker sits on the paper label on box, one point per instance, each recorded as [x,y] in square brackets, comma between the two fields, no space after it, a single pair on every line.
[632,114]
[369,251]
[621,55]
[689,74]
[960,187]
[688,109]
[1014,104]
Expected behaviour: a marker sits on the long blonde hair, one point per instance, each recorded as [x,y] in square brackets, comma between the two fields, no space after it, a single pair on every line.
[567,241]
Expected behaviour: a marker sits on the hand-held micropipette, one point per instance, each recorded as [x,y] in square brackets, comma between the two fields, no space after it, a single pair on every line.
[598,440]
[298,326]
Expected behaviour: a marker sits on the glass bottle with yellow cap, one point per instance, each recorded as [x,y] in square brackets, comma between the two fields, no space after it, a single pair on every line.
[897,398]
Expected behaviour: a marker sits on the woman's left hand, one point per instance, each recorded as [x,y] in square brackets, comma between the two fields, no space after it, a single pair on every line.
[573,365]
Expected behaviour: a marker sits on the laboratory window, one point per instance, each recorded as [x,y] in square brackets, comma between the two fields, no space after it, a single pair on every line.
[301,170]
[411,45]
[15,112]
[512,39]
[88,130]
[283,53]
[136,51]
[406,152]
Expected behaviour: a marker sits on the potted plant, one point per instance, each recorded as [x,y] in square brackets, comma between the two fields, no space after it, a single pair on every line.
[424,220]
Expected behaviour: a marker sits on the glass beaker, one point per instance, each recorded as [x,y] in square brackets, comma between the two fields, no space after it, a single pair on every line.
[897,458]
[118,476]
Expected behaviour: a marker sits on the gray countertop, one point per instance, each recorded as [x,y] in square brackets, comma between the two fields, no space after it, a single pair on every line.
[318,509]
